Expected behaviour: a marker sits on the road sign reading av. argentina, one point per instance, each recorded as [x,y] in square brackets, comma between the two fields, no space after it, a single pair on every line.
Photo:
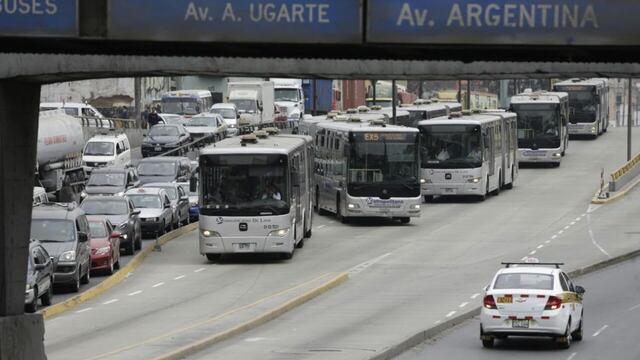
[260,21]
[58,18]
[504,22]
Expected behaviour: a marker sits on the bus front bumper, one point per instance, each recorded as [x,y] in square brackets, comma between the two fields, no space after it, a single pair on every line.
[583,129]
[539,156]
[246,244]
[376,207]
[453,189]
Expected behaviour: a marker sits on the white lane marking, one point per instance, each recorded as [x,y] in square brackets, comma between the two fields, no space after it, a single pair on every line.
[83,310]
[255,339]
[540,246]
[524,258]
[548,242]
[585,214]
[134,293]
[158,284]
[179,277]
[593,238]
[560,232]
[634,307]
[572,356]
[110,301]
[451,314]
[475,295]
[554,237]
[199,270]
[321,226]
[567,227]
[437,322]
[572,223]
[361,267]
[533,252]
[579,219]
[463,304]
[600,330]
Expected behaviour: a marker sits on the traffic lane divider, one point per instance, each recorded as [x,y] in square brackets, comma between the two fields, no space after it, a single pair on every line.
[263,318]
[424,335]
[116,278]
[619,194]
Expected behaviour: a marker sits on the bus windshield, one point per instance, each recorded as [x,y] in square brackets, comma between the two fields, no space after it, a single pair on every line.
[583,104]
[383,158]
[244,185]
[539,125]
[180,106]
[451,147]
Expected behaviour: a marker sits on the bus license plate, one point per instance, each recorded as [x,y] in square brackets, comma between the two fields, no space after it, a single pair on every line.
[520,324]
[245,247]
[450,190]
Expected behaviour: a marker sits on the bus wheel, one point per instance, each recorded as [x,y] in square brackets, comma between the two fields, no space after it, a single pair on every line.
[339,215]
[496,192]
[213,257]
[509,186]
[307,234]
[300,244]
[428,198]
[405,220]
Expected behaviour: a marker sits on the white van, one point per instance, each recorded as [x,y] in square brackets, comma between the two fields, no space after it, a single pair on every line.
[73,109]
[107,150]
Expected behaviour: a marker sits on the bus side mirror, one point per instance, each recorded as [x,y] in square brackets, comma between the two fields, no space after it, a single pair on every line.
[193,184]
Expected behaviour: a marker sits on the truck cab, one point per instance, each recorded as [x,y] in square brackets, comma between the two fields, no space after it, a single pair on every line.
[289,98]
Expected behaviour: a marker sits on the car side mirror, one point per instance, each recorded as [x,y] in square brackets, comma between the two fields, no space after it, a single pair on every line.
[184,198]
[135,212]
[116,234]
[38,267]
[193,184]
[167,206]
[486,288]
[83,237]
[580,290]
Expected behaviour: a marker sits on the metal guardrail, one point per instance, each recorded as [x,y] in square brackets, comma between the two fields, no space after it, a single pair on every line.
[625,174]
[107,123]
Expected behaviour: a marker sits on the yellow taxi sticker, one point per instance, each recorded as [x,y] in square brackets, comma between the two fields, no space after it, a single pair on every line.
[505,299]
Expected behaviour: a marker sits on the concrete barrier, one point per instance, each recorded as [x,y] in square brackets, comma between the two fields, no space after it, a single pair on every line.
[627,172]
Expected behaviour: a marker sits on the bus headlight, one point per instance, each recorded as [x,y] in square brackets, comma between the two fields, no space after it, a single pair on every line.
[209,233]
[593,129]
[280,232]
[423,181]
[474,180]
[557,155]
[353,206]
[416,207]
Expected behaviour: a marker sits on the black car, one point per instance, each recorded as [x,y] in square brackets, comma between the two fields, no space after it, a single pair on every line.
[164,169]
[121,212]
[111,181]
[63,230]
[163,138]
[39,277]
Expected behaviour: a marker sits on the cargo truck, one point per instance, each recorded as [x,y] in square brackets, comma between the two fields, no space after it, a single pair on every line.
[254,101]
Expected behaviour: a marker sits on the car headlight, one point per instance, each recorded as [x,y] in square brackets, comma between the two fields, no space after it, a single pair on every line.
[209,233]
[68,256]
[280,233]
[353,206]
[103,250]
[121,193]
[474,180]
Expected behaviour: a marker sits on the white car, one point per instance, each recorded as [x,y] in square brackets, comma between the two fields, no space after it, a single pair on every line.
[532,299]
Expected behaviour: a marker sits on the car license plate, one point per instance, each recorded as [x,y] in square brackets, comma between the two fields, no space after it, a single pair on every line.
[520,324]
[158,148]
[505,299]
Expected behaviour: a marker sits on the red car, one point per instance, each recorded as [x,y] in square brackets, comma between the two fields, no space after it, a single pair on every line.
[105,245]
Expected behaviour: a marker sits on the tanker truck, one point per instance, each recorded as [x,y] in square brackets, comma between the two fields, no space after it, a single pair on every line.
[59,167]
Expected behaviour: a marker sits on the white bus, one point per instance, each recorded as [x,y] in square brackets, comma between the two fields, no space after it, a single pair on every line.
[468,154]
[186,102]
[543,135]
[424,110]
[588,105]
[256,195]
[366,168]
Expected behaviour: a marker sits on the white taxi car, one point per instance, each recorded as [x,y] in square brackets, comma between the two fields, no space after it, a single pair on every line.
[532,299]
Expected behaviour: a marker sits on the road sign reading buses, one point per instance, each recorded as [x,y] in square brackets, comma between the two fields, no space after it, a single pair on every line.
[51,18]
[259,21]
[504,22]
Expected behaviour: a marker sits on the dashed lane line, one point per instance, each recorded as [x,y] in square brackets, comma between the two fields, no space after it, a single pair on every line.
[634,307]
[179,277]
[572,356]
[548,242]
[158,284]
[134,293]
[533,252]
[84,310]
[110,301]
[199,270]
[475,295]
[463,304]
[554,237]
[540,246]
[600,330]
[451,314]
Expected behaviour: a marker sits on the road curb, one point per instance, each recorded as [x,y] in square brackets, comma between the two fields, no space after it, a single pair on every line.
[114,279]
[598,201]
[422,336]
[203,344]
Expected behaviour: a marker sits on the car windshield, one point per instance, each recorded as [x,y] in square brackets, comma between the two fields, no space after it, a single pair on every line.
[104,207]
[225,113]
[539,125]
[245,105]
[202,121]
[172,119]
[180,106]
[71,111]
[106,179]
[171,191]
[97,229]
[53,230]
[146,201]
[451,147]
[160,130]
[99,148]
[529,281]
[156,168]
[286,95]
[384,157]
[244,185]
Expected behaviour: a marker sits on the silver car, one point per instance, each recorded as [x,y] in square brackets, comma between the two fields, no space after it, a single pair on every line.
[179,202]
[156,215]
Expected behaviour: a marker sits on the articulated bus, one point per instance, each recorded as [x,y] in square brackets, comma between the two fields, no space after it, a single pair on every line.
[366,168]
[588,105]
[468,154]
[424,110]
[543,135]
[256,195]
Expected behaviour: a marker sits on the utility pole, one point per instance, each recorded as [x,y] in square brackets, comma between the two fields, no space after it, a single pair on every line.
[314,100]
[137,89]
[394,100]
[468,95]
[629,119]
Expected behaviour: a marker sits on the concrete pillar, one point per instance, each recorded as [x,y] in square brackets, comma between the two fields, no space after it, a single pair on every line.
[21,336]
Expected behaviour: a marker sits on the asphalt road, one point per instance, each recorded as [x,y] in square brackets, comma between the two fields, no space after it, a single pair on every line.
[403,278]
[612,314]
